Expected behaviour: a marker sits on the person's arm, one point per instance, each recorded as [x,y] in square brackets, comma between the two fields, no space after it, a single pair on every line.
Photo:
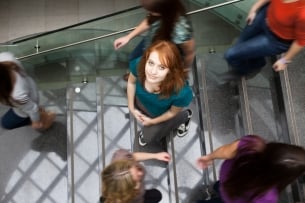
[24,101]
[122,41]
[131,91]
[227,151]
[281,63]
[173,111]
[142,156]
[188,48]
[254,9]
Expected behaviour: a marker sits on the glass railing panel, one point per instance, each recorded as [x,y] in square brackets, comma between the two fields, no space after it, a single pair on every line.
[235,13]
[79,63]
[4,48]
[78,33]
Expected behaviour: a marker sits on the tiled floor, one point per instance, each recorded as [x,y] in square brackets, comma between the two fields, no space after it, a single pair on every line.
[34,167]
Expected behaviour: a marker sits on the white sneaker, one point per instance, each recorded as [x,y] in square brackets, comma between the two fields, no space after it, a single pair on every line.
[141,139]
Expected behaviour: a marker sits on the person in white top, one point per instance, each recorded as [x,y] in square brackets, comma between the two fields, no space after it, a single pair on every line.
[19,91]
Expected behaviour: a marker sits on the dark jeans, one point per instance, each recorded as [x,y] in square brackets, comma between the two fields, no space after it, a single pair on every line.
[215,199]
[156,133]
[138,51]
[150,196]
[254,44]
[11,120]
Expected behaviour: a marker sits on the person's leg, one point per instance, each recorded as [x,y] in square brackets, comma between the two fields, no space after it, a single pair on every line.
[155,133]
[244,64]
[10,120]
[152,196]
[216,199]
[255,28]
[248,56]
[138,51]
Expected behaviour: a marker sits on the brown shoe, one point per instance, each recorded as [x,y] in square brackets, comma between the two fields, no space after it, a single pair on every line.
[47,118]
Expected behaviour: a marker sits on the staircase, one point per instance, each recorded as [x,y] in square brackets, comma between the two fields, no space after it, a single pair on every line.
[98,121]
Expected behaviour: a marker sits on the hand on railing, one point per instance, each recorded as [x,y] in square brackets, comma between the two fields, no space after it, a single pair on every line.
[120,42]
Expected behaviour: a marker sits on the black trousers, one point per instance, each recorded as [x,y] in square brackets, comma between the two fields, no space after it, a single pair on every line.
[150,196]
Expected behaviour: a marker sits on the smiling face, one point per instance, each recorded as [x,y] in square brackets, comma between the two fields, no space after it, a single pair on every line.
[155,72]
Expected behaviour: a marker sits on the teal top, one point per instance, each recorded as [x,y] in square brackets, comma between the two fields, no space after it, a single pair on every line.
[152,102]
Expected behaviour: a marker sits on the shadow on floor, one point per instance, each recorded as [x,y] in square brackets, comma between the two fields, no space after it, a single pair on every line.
[52,140]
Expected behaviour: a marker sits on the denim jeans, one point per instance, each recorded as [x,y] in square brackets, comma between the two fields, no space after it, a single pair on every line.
[138,51]
[11,120]
[253,45]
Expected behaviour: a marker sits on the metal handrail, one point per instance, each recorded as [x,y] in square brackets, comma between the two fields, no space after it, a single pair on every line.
[122,31]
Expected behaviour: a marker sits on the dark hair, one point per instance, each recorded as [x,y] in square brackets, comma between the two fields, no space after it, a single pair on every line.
[7,82]
[170,57]
[169,10]
[266,166]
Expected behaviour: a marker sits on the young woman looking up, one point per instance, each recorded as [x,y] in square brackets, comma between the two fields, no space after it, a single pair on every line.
[158,92]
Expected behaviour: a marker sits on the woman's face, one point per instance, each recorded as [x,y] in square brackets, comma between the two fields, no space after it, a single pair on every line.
[137,173]
[155,72]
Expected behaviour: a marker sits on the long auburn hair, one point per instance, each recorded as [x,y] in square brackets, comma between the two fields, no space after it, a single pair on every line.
[118,185]
[170,57]
[169,10]
[266,166]
[7,69]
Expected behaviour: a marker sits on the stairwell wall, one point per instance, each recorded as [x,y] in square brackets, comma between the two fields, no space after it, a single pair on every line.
[22,18]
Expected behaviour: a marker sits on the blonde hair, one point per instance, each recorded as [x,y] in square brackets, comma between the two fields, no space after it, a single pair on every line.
[118,185]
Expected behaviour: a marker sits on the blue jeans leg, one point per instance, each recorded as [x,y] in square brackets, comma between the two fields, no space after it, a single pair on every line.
[11,120]
[138,51]
[255,43]
[255,28]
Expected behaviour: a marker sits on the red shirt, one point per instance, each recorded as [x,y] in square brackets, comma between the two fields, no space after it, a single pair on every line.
[287,20]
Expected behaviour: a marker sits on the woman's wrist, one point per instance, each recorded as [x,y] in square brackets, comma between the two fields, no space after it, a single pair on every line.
[283,60]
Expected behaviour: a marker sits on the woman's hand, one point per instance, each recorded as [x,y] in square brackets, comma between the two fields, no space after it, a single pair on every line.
[120,42]
[138,115]
[203,162]
[163,156]
[142,118]
[279,65]
[37,125]
[147,121]
[250,18]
